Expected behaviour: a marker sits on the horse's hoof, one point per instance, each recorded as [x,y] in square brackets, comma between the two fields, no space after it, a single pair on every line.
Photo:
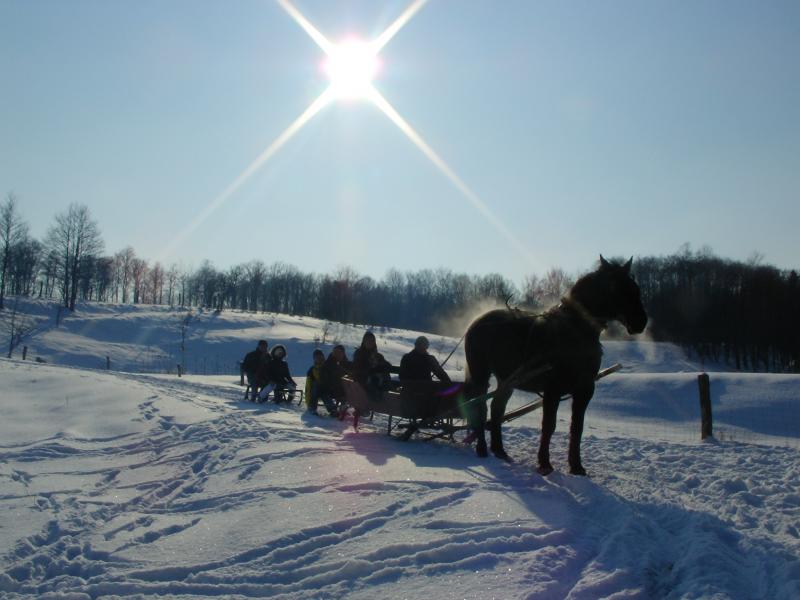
[502,455]
[545,470]
[481,450]
[579,470]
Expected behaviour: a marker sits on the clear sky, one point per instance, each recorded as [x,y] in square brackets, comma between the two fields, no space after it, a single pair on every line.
[576,128]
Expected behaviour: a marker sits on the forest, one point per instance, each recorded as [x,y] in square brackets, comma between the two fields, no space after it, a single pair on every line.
[741,314]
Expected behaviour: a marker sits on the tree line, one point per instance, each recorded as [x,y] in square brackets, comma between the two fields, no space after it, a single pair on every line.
[742,313]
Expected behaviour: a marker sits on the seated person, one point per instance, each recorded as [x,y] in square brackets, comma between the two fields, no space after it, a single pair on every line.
[335,367]
[255,366]
[370,369]
[418,365]
[279,376]
[314,387]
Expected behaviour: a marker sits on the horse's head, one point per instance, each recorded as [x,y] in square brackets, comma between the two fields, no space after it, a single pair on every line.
[610,293]
[623,294]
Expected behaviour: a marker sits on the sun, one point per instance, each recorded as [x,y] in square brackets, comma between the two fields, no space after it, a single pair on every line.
[351,66]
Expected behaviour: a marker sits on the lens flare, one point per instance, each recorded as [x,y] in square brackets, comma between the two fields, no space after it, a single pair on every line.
[351,66]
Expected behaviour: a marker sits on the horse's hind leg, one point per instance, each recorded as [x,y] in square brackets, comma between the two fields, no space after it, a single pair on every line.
[476,418]
[549,414]
[477,384]
[498,410]
[580,401]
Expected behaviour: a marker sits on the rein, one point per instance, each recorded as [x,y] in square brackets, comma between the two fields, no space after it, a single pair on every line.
[453,350]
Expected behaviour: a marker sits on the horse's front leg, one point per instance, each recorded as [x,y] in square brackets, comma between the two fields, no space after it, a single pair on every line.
[580,401]
[549,413]
[498,410]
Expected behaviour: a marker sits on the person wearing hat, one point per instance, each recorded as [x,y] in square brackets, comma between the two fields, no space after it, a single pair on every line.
[418,365]
[279,376]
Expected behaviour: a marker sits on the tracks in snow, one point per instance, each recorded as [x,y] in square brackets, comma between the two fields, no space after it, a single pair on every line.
[253,502]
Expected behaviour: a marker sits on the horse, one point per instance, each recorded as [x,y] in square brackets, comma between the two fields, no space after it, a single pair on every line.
[554,353]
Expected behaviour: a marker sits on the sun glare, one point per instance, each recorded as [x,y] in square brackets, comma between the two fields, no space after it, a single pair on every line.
[351,66]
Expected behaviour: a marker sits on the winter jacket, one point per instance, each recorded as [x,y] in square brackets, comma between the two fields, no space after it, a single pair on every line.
[418,366]
[256,365]
[370,366]
[313,382]
[279,373]
[331,376]
[252,360]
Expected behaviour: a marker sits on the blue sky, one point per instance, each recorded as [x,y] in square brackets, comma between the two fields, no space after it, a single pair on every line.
[627,128]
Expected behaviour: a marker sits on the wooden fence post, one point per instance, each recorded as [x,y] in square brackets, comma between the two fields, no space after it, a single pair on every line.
[108,363]
[704,384]
[24,352]
[179,370]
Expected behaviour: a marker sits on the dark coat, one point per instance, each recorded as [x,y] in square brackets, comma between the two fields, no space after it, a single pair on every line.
[279,373]
[370,366]
[252,360]
[256,365]
[418,366]
[332,373]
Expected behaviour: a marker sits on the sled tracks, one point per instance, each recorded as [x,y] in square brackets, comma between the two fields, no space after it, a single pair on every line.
[259,503]
[104,498]
[129,515]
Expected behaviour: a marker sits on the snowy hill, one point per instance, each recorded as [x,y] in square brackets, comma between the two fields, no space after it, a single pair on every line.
[132,485]
[145,338]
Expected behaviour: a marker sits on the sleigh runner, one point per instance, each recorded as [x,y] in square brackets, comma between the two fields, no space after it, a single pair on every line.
[439,409]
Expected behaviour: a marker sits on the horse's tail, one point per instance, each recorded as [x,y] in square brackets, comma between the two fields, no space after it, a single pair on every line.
[467,376]
[478,369]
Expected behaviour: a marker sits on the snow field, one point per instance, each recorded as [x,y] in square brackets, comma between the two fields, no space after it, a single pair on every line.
[200,495]
[127,485]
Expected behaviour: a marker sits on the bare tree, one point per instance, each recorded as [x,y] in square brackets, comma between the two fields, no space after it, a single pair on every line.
[172,280]
[123,261]
[532,291]
[138,273]
[73,237]
[12,232]
[555,284]
[23,269]
[104,277]
[157,283]
[255,272]
[184,277]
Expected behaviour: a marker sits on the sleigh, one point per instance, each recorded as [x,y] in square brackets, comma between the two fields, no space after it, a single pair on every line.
[412,406]
[435,408]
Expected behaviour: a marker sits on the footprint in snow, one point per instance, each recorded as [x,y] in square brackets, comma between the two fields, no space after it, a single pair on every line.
[21,476]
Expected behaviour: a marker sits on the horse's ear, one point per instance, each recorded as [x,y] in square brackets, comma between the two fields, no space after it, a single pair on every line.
[627,266]
[603,262]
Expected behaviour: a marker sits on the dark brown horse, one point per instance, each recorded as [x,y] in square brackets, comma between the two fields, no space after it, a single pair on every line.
[513,345]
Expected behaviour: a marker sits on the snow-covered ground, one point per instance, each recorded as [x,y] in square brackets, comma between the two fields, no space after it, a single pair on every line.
[136,485]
